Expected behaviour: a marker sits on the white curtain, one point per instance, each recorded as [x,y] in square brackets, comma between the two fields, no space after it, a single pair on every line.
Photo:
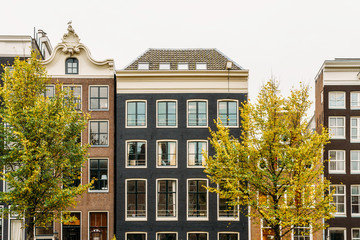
[16,232]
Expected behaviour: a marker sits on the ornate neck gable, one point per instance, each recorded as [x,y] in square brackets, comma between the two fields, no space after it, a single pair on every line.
[71,41]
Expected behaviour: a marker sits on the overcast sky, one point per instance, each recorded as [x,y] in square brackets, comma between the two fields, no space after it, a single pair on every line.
[282,38]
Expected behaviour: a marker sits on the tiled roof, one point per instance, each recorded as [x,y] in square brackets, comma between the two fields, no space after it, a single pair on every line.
[214,58]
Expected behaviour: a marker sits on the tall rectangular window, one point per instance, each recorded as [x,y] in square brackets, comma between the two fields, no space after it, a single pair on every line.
[72,66]
[337,127]
[99,173]
[355,200]
[337,161]
[167,153]
[135,236]
[336,100]
[99,133]
[44,231]
[337,234]
[225,210]
[74,94]
[197,236]
[166,114]
[71,230]
[355,100]
[355,129]
[301,233]
[136,114]
[136,153]
[99,98]
[166,199]
[195,153]
[135,199]
[98,225]
[197,113]
[355,234]
[166,236]
[355,161]
[228,113]
[49,91]
[339,198]
[228,236]
[197,199]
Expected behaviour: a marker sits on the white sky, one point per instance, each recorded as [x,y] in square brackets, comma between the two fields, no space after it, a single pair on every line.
[282,38]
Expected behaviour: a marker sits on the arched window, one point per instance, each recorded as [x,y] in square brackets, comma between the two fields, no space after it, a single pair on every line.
[72,66]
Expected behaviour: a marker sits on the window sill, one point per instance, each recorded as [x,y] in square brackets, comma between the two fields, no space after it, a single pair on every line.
[96,146]
[197,219]
[135,166]
[166,219]
[330,172]
[98,191]
[228,219]
[135,219]
[98,110]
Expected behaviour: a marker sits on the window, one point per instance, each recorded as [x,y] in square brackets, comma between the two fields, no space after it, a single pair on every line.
[135,236]
[355,129]
[167,153]
[355,200]
[166,199]
[45,231]
[266,231]
[225,210]
[99,98]
[195,153]
[336,100]
[197,113]
[99,133]
[228,236]
[143,66]
[336,161]
[166,236]
[166,114]
[16,229]
[339,198]
[136,153]
[74,180]
[164,66]
[355,234]
[201,66]
[337,234]
[99,173]
[136,199]
[355,161]
[49,91]
[197,236]
[72,66]
[355,100]
[302,233]
[98,225]
[71,230]
[228,113]
[197,199]
[73,93]
[136,114]
[337,127]
[183,66]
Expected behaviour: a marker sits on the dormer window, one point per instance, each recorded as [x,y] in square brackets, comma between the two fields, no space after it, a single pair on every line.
[201,66]
[143,66]
[72,66]
[183,66]
[164,66]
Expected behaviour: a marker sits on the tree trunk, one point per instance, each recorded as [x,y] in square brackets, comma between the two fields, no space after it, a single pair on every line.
[277,231]
[29,226]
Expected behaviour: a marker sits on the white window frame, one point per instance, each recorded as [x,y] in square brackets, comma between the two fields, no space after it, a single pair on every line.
[191,218]
[176,153]
[352,94]
[220,218]
[143,66]
[337,136]
[126,113]
[357,128]
[107,227]
[108,133]
[127,154]
[146,200]
[357,171]
[36,237]
[187,112]
[340,214]
[352,233]
[337,94]
[237,111]
[293,229]
[15,217]
[201,66]
[351,202]
[336,161]
[183,66]
[49,85]
[237,233]
[167,232]
[81,219]
[164,66]
[337,228]
[197,232]
[170,218]
[81,93]
[176,113]
[126,233]
[89,180]
[89,99]
[187,152]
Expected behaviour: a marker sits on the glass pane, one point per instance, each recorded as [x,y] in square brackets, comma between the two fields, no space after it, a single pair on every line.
[94,92]
[104,92]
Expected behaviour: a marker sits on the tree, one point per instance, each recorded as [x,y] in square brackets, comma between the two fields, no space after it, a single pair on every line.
[275,167]
[41,155]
